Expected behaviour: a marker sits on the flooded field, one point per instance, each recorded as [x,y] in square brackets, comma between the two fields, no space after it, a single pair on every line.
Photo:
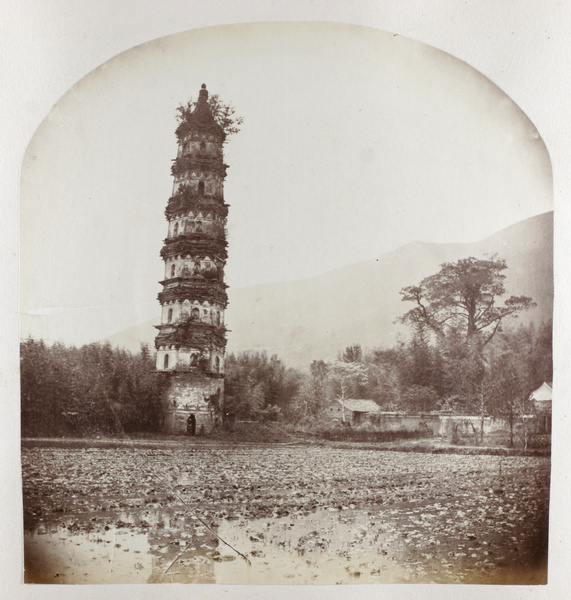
[288,514]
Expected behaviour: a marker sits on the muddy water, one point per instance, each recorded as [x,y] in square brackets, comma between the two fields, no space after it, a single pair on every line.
[55,554]
[326,547]
[299,515]
[130,548]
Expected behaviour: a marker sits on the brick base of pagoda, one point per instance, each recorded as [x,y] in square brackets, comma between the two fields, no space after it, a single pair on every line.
[188,396]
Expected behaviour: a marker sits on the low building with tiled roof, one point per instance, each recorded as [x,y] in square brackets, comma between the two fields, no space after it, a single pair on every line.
[352,410]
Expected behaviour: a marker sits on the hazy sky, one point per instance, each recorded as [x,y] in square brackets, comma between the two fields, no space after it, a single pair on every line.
[354,142]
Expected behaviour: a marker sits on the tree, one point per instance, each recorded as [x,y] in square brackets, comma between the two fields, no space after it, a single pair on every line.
[89,390]
[518,361]
[319,369]
[310,399]
[224,114]
[353,353]
[417,367]
[388,364]
[420,398]
[464,367]
[311,394]
[45,386]
[462,297]
[348,376]
[258,388]
[507,397]
[533,347]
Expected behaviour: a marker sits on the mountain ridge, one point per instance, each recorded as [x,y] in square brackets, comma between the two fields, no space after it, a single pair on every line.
[316,317]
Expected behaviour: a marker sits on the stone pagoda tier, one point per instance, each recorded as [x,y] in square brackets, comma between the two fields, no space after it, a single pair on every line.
[192,337]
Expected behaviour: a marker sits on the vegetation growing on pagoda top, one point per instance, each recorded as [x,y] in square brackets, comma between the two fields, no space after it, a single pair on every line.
[223,121]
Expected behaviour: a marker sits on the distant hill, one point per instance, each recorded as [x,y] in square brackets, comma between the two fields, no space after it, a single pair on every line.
[316,318]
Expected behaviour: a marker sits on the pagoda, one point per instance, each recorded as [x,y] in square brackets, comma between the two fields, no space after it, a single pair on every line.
[192,337]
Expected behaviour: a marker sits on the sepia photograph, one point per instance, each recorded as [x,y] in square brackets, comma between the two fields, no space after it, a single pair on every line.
[286,317]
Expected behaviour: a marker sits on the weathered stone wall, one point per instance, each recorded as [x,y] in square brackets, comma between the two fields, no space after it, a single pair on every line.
[385,421]
[444,426]
[466,425]
[396,422]
[187,395]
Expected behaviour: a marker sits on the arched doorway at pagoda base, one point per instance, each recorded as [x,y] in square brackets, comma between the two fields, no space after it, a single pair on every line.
[191,424]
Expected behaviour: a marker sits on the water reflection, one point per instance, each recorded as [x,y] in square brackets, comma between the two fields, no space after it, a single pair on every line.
[159,546]
[63,554]
[130,549]
[380,545]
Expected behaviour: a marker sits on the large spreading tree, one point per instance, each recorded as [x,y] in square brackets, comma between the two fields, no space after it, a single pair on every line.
[463,297]
[463,305]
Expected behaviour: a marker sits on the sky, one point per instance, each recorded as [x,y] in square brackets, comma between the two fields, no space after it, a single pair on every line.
[354,142]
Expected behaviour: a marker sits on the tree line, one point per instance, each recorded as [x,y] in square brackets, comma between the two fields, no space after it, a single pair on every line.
[95,389]
[458,359]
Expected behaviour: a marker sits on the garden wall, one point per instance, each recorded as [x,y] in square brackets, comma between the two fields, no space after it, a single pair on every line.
[439,424]
[401,422]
